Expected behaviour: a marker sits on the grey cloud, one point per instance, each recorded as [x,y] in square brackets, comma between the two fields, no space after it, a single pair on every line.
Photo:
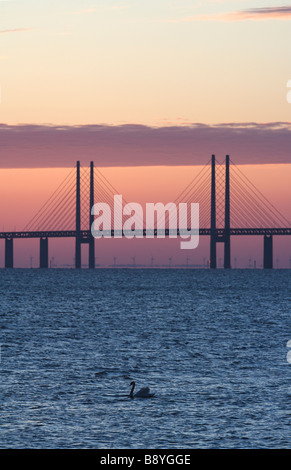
[32,146]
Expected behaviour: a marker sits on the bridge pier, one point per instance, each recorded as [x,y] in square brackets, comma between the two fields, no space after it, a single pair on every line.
[268,251]
[8,252]
[43,253]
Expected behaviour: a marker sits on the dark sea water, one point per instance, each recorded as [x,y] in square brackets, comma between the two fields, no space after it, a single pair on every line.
[211,345]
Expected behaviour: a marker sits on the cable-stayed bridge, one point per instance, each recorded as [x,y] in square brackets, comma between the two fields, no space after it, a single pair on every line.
[229,204]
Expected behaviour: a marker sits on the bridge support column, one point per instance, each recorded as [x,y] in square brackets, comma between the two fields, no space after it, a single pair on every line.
[213,217]
[91,219]
[8,252]
[43,253]
[268,251]
[78,219]
[227,217]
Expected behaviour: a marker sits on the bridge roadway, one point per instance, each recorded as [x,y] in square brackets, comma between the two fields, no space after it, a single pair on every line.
[86,234]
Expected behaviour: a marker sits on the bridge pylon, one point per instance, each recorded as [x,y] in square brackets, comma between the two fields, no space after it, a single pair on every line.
[214,236]
[227,262]
[80,238]
[213,261]
[91,219]
[78,218]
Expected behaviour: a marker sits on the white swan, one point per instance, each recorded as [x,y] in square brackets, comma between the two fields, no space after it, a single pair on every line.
[142,393]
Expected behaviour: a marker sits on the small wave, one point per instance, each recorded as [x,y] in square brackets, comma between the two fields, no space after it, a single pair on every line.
[101,373]
[113,372]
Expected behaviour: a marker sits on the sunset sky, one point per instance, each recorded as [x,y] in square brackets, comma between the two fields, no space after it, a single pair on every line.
[136,86]
[149,62]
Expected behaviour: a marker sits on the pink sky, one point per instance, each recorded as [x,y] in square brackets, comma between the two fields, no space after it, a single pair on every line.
[26,190]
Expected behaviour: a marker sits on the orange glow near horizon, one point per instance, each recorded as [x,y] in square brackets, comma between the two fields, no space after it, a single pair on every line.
[24,191]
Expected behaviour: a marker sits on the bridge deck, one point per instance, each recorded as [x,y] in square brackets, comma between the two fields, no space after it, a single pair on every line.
[85,234]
